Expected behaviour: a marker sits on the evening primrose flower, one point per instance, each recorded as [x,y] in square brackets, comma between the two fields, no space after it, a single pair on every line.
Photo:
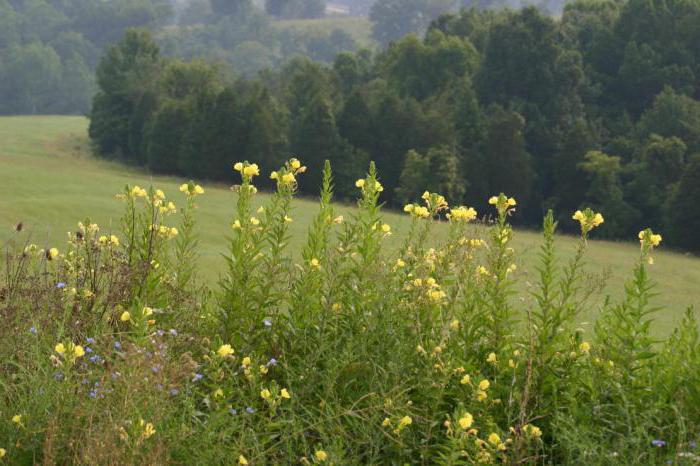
[360,183]
[59,348]
[494,438]
[462,214]
[321,456]
[465,379]
[585,347]
[285,394]
[246,361]
[125,317]
[3,452]
[17,419]
[484,385]
[466,421]
[588,219]
[225,350]
[533,431]
[265,394]
[315,263]
[78,351]
[491,358]
[386,228]
[242,460]
[52,254]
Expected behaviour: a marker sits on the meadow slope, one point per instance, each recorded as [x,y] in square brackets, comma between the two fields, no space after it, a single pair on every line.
[50,182]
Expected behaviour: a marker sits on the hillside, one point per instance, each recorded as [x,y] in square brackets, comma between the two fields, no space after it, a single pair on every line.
[47,171]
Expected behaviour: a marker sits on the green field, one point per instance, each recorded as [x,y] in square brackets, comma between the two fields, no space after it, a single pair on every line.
[50,182]
[359,28]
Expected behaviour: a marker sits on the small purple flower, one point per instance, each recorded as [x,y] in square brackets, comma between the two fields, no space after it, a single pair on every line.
[33,330]
[160,333]
[97,383]
[174,392]
[249,410]
[60,285]
[233,411]
[159,387]
[272,362]
[197,377]
[58,376]
[88,349]
[90,340]
[658,443]
[267,323]
[85,381]
[95,359]
[173,332]
[693,445]
[155,369]
[117,345]
[116,375]
[93,394]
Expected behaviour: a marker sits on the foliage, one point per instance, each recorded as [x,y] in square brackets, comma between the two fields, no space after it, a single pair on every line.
[346,351]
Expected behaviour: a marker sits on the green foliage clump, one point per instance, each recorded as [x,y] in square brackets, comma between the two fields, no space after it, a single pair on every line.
[345,351]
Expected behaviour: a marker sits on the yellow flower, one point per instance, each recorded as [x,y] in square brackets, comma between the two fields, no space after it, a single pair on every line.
[400,263]
[246,361]
[53,253]
[360,183]
[588,220]
[484,384]
[532,430]
[491,358]
[421,212]
[585,347]
[466,421]
[274,175]
[147,311]
[408,208]
[78,351]
[238,167]
[481,395]
[493,200]
[60,349]
[125,317]
[2,452]
[242,460]
[294,163]
[462,214]
[287,219]
[386,422]
[251,170]
[254,221]
[315,263]
[465,380]
[265,394]
[321,456]
[225,350]
[148,430]
[288,178]
[17,418]
[386,228]
[285,394]
[236,225]
[649,239]
[494,438]
[405,421]
[218,393]
[454,325]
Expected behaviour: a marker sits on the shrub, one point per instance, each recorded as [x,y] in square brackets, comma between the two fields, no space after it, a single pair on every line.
[345,351]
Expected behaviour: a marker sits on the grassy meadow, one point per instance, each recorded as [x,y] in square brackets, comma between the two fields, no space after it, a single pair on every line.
[254,329]
[50,182]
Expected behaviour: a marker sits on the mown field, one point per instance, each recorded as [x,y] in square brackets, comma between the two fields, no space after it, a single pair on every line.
[359,28]
[50,182]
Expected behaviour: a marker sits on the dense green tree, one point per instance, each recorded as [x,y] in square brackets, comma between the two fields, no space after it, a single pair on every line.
[672,114]
[683,210]
[394,19]
[436,171]
[29,75]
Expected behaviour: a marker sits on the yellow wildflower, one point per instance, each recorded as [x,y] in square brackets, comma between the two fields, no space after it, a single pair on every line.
[465,380]
[588,219]
[17,418]
[585,347]
[494,438]
[225,350]
[466,421]
[491,358]
[462,214]
[386,422]
[3,452]
[246,361]
[78,351]
[242,460]
[321,456]
[315,263]
[294,163]
[288,178]
[454,325]
[386,228]
[360,183]
[254,221]
[53,254]
[125,317]
[484,384]
[147,311]
[285,394]
[532,430]
[265,394]
[60,349]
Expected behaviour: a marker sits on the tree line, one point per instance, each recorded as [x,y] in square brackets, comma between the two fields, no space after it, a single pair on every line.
[599,108]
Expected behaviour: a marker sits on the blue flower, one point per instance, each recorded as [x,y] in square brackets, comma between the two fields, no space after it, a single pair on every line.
[58,376]
[272,362]
[93,394]
[174,392]
[658,443]
[33,330]
[233,411]
[267,323]
[693,445]
[88,349]
[173,332]
[249,410]
[95,359]
[197,377]
[60,285]
[90,340]
[156,368]
[117,345]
